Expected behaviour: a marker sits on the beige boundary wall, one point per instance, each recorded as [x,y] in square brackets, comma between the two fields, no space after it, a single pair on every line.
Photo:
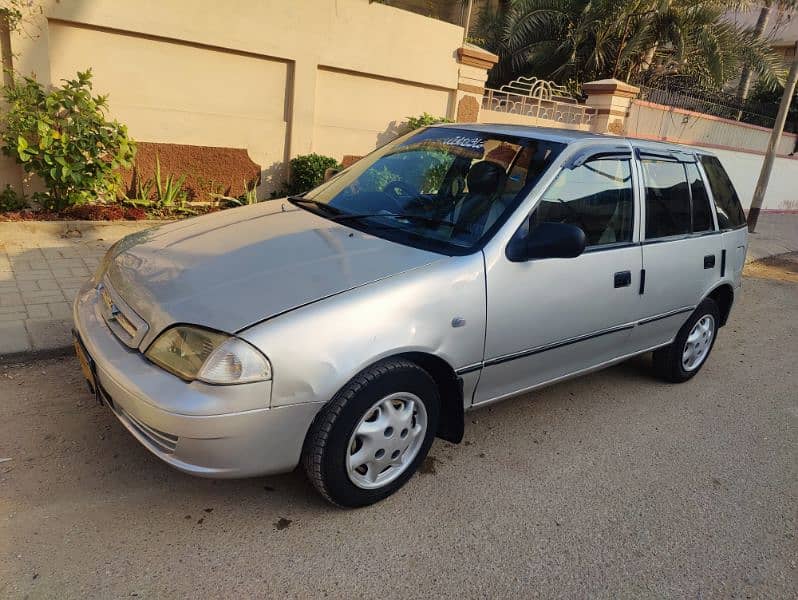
[279,78]
[740,147]
[658,122]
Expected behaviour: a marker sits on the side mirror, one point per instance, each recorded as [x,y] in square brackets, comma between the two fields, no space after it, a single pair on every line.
[548,240]
[330,172]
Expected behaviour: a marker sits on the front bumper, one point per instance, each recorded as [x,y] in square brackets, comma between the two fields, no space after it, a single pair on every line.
[201,429]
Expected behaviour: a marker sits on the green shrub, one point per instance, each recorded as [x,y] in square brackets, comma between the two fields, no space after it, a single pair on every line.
[10,200]
[307,172]
[424,120]
[63,136]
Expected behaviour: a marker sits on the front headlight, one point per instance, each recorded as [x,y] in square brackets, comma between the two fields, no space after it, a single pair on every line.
[195,353]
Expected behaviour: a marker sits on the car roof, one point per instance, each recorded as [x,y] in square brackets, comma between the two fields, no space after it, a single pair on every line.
[568,136]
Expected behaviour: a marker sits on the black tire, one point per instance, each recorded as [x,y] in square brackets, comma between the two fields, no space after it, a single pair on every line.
[668,360]
[327,443]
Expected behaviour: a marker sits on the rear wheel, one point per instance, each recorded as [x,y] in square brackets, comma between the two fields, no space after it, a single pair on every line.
[689,351]
[369,440]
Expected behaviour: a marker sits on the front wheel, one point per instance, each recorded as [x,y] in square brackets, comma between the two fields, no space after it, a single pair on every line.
[370,439]
[689,351]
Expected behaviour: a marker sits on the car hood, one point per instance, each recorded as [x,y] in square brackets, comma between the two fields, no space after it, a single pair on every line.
[232,269]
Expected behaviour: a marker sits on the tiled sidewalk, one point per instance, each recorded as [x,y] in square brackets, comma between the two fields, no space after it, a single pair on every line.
[38,281]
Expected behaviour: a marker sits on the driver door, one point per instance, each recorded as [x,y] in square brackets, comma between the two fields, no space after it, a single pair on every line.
[549,318]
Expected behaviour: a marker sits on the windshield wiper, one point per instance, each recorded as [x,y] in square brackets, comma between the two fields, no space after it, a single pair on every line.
[297,200]
[338,215]
[398,216]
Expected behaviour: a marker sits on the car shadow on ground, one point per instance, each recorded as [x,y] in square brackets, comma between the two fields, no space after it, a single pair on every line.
[113,463]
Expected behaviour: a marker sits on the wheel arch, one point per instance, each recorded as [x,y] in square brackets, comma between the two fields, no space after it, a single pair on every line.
[451,423]
[723,295]
[452,415]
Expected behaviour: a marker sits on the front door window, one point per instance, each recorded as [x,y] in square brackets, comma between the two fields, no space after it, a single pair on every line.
[595,196]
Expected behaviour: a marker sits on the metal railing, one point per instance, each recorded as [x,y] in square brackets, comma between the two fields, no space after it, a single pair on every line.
[718,104]
[539,99]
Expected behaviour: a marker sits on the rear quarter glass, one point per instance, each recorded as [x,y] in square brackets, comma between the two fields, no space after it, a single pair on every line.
[730,212]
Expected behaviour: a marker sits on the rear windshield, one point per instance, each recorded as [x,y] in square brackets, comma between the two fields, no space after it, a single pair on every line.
[442,189]
[730,213]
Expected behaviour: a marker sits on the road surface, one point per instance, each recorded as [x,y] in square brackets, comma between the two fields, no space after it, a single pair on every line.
[613,485]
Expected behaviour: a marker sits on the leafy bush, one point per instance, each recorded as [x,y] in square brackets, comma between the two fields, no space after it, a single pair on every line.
[11,201]
[307,172]
[17,12]
[379,179]
[424,120]
[63,136]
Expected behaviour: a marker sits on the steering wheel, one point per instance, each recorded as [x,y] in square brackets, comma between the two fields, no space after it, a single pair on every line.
[399,189]
[396,206]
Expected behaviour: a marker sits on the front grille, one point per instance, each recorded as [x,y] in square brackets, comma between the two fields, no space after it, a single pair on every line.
[120,318]
[165,442]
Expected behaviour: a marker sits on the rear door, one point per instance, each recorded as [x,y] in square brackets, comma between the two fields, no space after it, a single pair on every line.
[730,217]
[682,247]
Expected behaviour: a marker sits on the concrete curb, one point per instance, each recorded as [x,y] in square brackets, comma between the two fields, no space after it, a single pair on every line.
[44,354]
[12,232]
[775,234]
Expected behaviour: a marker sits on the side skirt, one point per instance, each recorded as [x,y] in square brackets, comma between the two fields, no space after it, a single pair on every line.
[573,375]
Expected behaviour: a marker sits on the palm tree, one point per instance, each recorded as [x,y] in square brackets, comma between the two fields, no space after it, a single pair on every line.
[640,41]
[744,86]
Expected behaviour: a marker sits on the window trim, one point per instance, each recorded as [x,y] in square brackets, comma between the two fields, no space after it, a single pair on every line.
[588,154]
[679,156]
[714,224]
[678,237]
[607,247]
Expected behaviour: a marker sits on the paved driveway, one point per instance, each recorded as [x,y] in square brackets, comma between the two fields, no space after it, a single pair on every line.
[614,485]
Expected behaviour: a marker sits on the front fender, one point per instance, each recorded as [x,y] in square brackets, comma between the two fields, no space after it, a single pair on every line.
[314,350]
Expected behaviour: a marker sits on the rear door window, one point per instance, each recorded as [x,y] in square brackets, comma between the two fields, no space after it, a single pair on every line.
[730,213]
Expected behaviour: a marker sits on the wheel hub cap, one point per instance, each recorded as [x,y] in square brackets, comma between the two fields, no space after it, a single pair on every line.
[386,440]
[697,345]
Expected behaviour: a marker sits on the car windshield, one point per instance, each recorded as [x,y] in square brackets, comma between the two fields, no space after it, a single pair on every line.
[443,189]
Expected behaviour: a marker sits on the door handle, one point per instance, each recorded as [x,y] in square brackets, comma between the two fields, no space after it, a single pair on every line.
[709,261]
[623,279]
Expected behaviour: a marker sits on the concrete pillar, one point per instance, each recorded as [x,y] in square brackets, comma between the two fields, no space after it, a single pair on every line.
[10,173]
[474,64]
[611,98]
[31,49]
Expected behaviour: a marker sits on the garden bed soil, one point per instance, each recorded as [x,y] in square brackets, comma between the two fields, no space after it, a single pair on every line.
[101,212]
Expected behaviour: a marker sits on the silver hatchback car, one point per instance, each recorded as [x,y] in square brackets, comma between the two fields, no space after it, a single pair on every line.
[454,267]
